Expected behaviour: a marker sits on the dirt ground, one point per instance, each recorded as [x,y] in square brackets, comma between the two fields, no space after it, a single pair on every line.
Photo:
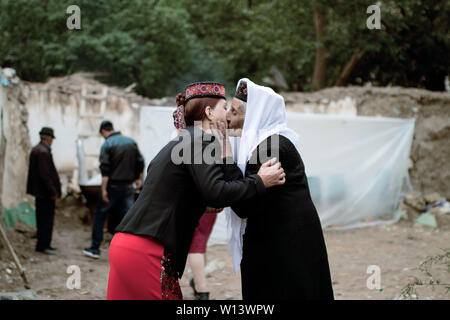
[397,249]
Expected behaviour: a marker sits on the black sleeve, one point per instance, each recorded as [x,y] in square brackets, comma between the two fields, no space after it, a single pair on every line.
[230,170]
[241,208]
[105,162]
[263,153]
[139,162]
[245,207]
[218,191]
[44,163]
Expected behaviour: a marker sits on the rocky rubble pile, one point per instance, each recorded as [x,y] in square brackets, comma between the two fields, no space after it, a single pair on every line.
[430,155]
[74,83]
[431,210]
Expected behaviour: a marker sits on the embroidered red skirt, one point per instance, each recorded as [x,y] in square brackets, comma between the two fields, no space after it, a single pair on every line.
[202,233]
[139,270]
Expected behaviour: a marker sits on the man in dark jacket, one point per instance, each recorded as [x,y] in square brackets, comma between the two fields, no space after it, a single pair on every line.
[43,183]
[121,165]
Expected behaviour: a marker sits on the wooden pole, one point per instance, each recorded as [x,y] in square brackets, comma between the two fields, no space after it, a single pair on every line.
[16,259]
[320,65]
[349,68]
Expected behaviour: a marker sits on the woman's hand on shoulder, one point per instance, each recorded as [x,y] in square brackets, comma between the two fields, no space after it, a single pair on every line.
[272,173]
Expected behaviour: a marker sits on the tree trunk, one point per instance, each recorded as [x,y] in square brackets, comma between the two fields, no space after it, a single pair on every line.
[348,69]
[320,66]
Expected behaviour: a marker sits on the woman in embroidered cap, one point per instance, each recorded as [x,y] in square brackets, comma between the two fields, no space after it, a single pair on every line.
[148,253]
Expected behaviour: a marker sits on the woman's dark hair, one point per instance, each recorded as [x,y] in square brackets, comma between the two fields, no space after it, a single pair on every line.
[194,109]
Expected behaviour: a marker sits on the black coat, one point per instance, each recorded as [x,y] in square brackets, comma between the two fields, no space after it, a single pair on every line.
[284,253]
[174,196]
[43,180]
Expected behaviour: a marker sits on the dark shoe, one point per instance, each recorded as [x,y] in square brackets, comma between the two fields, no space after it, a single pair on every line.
[46,251]
[202,296]
[93,253]
[198,295]
[192,284]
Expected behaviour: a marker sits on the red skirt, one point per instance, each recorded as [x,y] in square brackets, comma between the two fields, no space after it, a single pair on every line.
[139,270]
[202,233]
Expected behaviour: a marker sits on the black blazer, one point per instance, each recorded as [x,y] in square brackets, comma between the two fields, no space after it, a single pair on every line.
[174,196]
[43,180]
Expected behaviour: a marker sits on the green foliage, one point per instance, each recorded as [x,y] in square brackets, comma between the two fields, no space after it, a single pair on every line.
[162,45]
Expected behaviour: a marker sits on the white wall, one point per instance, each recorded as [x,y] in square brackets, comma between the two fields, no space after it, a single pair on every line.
[62,112]
[156,126]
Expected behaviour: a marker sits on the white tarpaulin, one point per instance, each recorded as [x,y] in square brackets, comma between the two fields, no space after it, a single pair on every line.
[357,167]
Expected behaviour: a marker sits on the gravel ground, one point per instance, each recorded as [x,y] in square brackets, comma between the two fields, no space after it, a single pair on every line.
[397,250]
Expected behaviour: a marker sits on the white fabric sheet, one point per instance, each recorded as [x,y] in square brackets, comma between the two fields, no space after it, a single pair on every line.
[357,167]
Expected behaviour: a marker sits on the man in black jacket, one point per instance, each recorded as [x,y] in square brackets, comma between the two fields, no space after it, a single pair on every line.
[43,183]
[121,165]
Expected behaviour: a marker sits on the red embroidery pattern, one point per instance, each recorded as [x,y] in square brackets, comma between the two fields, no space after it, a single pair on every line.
[170,288]
[178,118]
[205,89]
[241,91]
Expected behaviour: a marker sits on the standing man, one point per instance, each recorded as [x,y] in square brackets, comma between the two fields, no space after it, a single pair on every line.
[43,183]
[121,165]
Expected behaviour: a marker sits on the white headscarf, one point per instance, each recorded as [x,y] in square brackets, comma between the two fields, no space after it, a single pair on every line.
[265,115]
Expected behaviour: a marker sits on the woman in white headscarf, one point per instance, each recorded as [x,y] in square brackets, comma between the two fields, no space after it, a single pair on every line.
[278,236]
